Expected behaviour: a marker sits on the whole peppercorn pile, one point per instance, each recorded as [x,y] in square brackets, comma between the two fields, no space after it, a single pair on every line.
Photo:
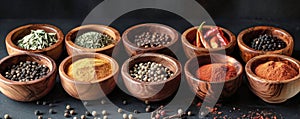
[147,39]
[26,71]
[150,72]
[267,43]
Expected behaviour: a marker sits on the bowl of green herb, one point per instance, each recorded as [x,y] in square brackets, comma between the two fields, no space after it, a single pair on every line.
[35,38]
[92,38]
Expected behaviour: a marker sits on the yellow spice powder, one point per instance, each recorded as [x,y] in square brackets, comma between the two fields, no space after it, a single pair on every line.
[89,69]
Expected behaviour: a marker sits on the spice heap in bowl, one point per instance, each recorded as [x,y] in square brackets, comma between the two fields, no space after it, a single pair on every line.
[216,72]
[207,39]
[260,40]
[150,37]
[151,76]
[27,77]
[88,76]
[26,71]
[213,75]
[92,38]
[273,78]
[150,72]
[35,38]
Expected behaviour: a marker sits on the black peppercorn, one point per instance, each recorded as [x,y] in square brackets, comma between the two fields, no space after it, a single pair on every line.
[267,43]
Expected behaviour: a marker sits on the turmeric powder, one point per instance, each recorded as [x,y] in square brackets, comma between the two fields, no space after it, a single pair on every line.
[89,69]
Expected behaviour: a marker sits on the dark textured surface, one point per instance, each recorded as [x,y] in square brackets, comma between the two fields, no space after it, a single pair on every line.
[234,15]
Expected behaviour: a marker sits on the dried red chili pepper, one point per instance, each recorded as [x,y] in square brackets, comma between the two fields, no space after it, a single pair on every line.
[222,38]
[212,32]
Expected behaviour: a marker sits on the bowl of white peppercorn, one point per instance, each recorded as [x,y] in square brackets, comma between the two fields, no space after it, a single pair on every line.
[27,77]
[151,76]
[150,38]
[35,38]
[92,38]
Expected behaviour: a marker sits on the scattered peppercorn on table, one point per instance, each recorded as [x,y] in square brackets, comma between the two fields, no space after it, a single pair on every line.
[119,104]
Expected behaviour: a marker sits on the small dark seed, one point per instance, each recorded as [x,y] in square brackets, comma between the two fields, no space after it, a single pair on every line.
[87,113]
[51,111]
[37,112]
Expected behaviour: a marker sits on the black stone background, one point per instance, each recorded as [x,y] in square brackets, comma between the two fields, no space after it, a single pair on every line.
[234,15]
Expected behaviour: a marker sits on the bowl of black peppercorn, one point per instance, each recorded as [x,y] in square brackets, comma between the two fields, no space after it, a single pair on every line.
[150,38]
[260,40]
[27,77]
[151,76]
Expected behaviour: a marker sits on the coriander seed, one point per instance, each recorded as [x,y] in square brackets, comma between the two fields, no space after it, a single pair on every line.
[6,116]
[130,116]
[68,107]
[67,115]
[72,112]
[40,117]
[82,117]
[180,111]
[120,110]
[104,112]
[94,113]
[189,113]
[124,116]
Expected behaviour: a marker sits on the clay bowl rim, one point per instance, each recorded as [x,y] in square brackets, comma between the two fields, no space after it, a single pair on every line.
[69,41]
[193,77]
[59,36]
[128,43]
[48,59]
[232,38]
[67,78]
[244,46]
[253,76]
[125,69]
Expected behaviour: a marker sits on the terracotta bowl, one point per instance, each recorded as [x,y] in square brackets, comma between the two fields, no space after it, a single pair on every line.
[72,48]
[189,36]
[249,34]
[54,51]
[212,90]
[132,49]
[272,91]
[152,91]
[31,90]
[88,90]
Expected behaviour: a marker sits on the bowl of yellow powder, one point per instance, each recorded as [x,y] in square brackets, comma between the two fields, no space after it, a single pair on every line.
[88,76]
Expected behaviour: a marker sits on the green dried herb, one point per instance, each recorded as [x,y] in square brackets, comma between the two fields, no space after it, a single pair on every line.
[94,40]
[37,39]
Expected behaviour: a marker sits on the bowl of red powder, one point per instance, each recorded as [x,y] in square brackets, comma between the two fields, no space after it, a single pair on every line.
[213,76]
[273,78]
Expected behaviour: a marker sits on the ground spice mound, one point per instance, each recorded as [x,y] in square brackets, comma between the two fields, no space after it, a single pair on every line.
[216,72]
[275,71]
[89,69]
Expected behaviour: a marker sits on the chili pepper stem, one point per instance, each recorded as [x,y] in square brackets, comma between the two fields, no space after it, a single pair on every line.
[198,34]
